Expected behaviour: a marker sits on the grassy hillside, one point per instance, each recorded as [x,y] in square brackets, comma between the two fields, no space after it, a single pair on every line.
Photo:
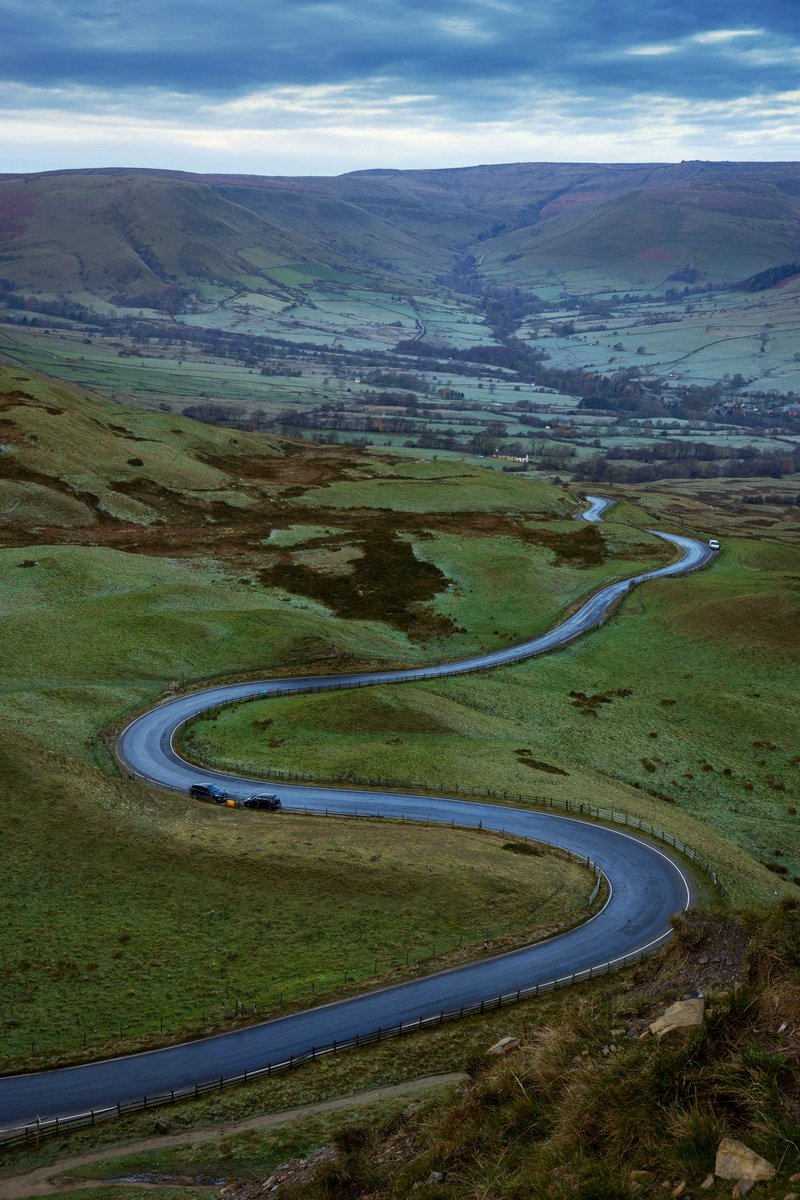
[639,240]
[584,1110]
[142,551]
[134,237]
[121,945]
[687,695]
[154,239]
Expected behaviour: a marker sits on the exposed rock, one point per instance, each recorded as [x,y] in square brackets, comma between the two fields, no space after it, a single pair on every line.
[708,1182]
[684,1014]
[297,1171]
[678,1190]
[504,1046]
[637,1030]
[737,1161]
[435,1177]
[743,1187]
[641,1174]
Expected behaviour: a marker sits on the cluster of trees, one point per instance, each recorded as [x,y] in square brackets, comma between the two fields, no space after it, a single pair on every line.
[169,300]
[214,413]
[68,309]
[397,379]
[512,355]
[631,464]
[769,278]
[772,498]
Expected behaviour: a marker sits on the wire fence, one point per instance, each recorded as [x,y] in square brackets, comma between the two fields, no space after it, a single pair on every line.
[31,1133]
[216,1016]
[594,812]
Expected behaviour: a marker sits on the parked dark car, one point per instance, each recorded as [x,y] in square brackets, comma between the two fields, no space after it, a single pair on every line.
[264,800]
[208,791]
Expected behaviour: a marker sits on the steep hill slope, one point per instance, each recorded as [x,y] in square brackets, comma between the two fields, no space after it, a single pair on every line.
[144,239]
[70,461]
[158,237]
[719,226]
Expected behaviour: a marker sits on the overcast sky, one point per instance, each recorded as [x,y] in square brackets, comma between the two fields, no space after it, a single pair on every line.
[325,86]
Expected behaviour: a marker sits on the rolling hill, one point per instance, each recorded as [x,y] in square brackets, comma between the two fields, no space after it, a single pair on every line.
[156,238]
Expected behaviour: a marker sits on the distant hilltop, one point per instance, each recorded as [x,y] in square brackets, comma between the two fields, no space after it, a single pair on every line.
[135,237]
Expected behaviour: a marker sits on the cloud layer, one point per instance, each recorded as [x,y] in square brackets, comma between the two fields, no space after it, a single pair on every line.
[320,86]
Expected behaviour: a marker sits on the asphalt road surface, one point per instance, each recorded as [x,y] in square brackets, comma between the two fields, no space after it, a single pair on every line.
[647,887]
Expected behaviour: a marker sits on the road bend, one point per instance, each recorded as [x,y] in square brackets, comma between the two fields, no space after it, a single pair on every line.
[647,886]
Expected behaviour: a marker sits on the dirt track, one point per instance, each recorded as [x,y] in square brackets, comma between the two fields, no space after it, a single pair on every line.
[65,1175]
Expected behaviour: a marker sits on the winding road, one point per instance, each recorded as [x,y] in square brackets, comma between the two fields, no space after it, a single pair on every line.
[647,885]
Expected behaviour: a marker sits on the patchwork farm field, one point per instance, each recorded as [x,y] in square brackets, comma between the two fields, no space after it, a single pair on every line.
[699,340]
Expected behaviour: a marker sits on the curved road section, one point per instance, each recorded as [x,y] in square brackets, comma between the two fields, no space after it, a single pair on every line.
[647,887]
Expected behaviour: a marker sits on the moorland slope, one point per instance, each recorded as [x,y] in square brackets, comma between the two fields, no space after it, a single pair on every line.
[142,237]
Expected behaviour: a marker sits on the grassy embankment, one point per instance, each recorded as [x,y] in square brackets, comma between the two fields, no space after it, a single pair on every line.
[584,1111]
[682,708]
[127,912]
[142,550]
[574,1112]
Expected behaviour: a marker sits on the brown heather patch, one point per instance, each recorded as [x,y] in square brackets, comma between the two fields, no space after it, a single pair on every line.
[16,400]
[589,705]
[387,583]
[169,503]
[537,764]
[10,432]
[297,465]
[583,547]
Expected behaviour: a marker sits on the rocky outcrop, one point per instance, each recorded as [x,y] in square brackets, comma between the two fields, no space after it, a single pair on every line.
[684,1014]
[284,1179]
[504,1046]
[739,1162]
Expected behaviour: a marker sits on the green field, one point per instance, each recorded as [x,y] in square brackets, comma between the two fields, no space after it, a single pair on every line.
[131,587]
[144,551]
[700,339]
[692,654]
[136,952]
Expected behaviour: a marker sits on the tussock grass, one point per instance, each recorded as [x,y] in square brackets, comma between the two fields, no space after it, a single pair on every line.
[559,1118]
